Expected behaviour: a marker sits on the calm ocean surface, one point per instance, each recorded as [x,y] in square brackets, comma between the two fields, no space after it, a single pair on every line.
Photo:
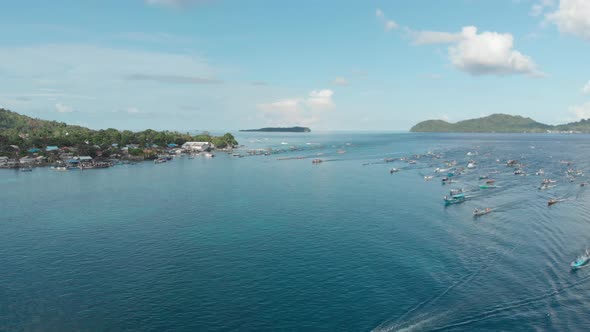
[261,244]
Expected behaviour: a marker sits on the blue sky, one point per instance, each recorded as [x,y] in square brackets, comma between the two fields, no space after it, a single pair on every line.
[330,65]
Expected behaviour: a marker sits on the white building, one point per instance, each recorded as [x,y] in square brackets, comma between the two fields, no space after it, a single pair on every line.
[197,146]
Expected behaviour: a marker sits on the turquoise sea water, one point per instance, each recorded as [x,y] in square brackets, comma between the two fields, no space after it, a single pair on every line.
[260,244]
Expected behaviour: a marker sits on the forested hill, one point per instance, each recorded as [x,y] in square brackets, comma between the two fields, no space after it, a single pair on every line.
[27,132]
[281,130]
[499,123]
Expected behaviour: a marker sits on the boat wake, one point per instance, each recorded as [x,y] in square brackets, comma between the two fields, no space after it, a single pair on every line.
[510,306]
[398,324]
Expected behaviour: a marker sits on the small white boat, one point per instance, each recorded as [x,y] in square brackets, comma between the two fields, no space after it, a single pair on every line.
[60,168]
[478,212]
[581,260]
[209,155]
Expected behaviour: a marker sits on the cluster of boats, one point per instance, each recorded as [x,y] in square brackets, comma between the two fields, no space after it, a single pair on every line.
[450,171]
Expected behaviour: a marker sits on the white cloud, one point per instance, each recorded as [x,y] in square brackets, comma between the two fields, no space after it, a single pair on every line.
[581,111]
[132,110]
[379,13]
[539,7]
[480,53]
[321,98]
[573,17]
[92,79]
[435,76]
[388,25]
[340,81]
[586,88]
[298,111]
[61,108]
[174,79]
[490,53]
[434,37]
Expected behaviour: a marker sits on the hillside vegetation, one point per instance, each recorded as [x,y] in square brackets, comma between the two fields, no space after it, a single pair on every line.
[499,123]
[26,132]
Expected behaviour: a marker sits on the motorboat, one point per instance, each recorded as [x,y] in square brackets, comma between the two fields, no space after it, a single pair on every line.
[455,199]
[581,260]
[487,186]
[60,168]
[393,170]
[546,186]
[454,192]
[478,212]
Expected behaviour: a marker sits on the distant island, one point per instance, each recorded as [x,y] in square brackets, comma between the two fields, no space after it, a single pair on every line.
[500,123]
[281,130]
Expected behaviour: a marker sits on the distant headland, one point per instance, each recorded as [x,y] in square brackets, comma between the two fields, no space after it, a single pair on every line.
[281,130]
[500,123]
[26,141]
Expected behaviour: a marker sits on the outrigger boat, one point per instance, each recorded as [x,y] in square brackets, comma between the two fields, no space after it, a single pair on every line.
[487,186]
[454,199]
[454,192]
[478,212]
[545,186]
[581,260]
[446,180]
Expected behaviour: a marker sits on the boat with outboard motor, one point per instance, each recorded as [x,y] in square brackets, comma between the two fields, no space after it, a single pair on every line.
[546,186]
[478,212]
[488,186]
[454,199]
[454,192]
[581,260]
